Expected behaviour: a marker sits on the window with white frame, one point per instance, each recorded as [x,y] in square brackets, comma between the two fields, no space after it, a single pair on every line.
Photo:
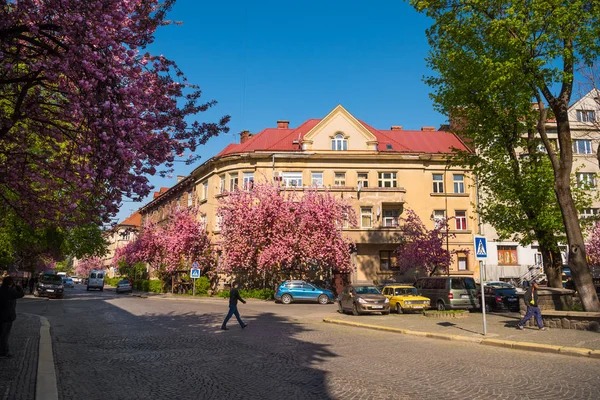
[339,142]
[387,179]
[205,190]
[590,212]
[438,217]
[190,199]
[462,263]
[222,184]
[203,221]
[248,180]
[542,148]
[459,183]
[316,179]
[586,179]
[339,179]
[362,179]
[461,220]
[390,217]
[233,182]
[291,179]
[438,183]
[582,146]
[366,217]
[586,116]
[218,222]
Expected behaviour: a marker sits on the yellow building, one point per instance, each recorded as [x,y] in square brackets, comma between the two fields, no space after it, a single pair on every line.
[381,172]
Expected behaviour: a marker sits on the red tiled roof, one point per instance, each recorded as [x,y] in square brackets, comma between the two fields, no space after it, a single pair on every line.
[134,219]
[162,190]
[275,139]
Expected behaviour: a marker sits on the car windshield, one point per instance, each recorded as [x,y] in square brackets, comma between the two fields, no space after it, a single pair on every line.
[124,281]
[366,290]
[51,279]
[405,291]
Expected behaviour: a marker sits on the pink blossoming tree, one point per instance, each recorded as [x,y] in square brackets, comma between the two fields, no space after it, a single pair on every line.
[85,265]
[592,247]
[86,112]
[269,230]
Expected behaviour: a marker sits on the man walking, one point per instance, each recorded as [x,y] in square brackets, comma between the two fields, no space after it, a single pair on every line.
[531,299]
[234,296]
[9,293]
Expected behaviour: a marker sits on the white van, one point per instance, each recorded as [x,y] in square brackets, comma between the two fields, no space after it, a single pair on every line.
[96,280]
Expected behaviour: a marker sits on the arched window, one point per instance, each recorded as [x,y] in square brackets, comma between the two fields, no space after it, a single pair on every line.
[339,142]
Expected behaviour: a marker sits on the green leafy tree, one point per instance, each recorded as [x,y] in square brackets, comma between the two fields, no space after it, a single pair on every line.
[516,52]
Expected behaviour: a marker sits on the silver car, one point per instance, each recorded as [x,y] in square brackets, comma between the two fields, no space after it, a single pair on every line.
[124,286]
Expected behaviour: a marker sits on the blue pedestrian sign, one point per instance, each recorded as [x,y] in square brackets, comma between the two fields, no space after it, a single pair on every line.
[195,273]
[480,247]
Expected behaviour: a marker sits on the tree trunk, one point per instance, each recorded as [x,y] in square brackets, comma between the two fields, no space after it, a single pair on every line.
[552,265]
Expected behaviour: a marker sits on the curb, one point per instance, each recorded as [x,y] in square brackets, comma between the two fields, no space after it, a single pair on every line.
[507,344]
[45,388]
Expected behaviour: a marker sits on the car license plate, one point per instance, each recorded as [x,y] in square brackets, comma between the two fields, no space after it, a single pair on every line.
[377,306]
[51,290]
[511,299]
[464,296]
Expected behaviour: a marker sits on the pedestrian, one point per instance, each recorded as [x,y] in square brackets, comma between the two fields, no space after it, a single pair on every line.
[32,283]
[234,296]
[531,299]
[9,293]
[570,284]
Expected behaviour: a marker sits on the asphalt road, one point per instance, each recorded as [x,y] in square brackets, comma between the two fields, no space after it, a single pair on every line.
[109,346]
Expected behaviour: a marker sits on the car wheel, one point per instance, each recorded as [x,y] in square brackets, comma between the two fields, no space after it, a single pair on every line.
[102,289]
[286,299]
[398,308]
[355,309]
[386,312]
[340,308]
[441,306]
[323,299]
[87,288]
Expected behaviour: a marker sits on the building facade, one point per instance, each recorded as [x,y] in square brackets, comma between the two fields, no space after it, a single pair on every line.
[119,236]
[380,172]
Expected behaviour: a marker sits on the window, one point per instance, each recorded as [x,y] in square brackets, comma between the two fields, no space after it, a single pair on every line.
[222,185]
[387,260]
[586,116]
[339,179]
[316,179]
[387,179]
[390,217]
[459,183]
[248,182]
[363,179]
[205,190]
[438,217]
[581,146]
[190,199]
[461,220]
[366,217]
[590,212]
[462,263]
[542,148]
[507,255]
[219,222]
[339,142]
[291,179]
[586,179]
[438,183]
[233,182]
[203,221]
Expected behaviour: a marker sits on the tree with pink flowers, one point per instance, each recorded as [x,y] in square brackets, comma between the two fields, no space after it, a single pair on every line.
[270,230]
[86,111]
[592,246]
[85,265]
[424,248]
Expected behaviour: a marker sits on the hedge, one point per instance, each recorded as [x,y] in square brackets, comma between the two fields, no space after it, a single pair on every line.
[264,294]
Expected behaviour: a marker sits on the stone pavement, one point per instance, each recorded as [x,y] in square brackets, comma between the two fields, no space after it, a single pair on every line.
[18,374]
[501,331]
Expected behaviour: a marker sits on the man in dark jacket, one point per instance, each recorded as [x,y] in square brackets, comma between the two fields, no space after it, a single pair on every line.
[9,293]
[234,296]
[531,299]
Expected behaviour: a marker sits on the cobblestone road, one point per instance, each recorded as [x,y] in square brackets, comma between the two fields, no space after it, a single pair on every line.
[121,347]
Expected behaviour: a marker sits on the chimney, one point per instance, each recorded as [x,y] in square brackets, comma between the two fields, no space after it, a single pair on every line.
[396,127]
[180,178]
[244,135]
[428,129]
[283,124]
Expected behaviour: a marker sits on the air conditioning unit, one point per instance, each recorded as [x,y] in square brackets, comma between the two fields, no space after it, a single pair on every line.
[276,174]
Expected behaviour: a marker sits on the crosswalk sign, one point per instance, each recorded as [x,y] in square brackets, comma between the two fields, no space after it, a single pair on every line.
[480,247]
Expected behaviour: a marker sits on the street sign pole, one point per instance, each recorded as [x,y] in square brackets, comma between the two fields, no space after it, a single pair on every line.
[481,254]
[194,287]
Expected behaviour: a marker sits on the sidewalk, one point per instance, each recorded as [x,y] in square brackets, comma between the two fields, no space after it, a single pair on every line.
[18,375]
[501,331]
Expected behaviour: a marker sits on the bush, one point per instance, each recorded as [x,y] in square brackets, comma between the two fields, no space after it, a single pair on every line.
[155,286]
[112,281]
[202,285]
[263,294]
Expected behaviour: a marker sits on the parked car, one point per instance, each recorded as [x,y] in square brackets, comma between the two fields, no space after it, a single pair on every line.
[500,298]
[68,282]
[50,285]
[362,299]
[449,292]
[96,280]
[295,290]
[405,298]
[76,279]
[124,286]
[504,284]
[84,281]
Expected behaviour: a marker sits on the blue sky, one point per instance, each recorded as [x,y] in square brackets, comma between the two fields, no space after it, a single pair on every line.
[269,60]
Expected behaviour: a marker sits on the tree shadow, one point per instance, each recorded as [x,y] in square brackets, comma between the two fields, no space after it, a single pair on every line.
[107,349]
[452,325]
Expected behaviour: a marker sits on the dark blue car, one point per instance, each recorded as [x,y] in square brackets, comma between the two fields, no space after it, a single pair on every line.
[290,291]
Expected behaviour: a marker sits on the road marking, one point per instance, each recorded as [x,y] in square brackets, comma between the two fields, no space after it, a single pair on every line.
[45,388]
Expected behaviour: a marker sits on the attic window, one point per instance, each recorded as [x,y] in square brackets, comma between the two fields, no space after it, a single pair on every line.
[339,142]
[388,146]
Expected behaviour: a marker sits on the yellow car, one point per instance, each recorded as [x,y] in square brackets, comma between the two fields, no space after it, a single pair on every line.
[405,298]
